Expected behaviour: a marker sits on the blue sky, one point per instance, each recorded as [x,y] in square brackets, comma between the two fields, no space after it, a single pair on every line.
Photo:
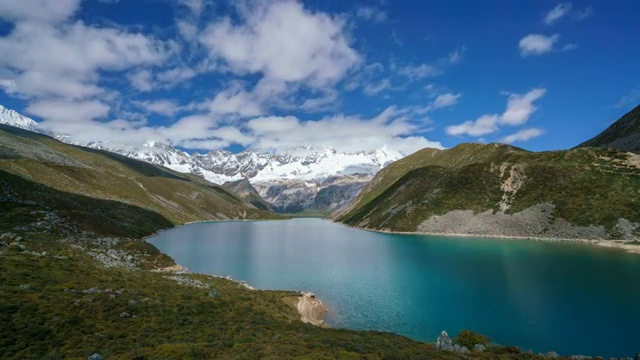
[268,75]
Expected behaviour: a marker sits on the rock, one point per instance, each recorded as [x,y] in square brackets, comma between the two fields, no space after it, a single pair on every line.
[18,246]
[214,294]
[93,290]
[551,354]
[460,349]
[25,287]
[444,342]
[125,315]
[132,302]
[77,303]
[479,347]
[95,356]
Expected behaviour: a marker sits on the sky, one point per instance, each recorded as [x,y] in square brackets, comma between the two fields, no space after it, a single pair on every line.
[353,75]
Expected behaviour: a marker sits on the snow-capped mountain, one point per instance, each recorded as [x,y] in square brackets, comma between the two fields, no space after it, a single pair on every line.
[13,118]
[290,180]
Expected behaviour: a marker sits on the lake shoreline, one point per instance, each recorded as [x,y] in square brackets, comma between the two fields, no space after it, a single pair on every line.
[610,244]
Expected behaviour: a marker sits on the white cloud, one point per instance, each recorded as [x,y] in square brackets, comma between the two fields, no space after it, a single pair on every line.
[486,124]
[38,10]
[372,89]
[141,79]
[391,129]
[66,60]
[520,107]
[583,14]
[162,107]
[283,41]
[235,101]
[522,135]
[557,13]
[371,13]
[68,111]
[519,110]
[445,100]
[536,44]
[457,55]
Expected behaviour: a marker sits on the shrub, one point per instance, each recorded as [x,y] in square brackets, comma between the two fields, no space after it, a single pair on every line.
[468,338]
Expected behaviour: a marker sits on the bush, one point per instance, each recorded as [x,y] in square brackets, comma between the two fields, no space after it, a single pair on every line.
[468,338]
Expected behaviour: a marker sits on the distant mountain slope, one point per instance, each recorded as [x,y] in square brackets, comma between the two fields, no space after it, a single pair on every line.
[502,190]
[246,191]
[103,192]
[289,181]
[624,134]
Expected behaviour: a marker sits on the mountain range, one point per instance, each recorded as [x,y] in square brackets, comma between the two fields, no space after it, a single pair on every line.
[304,178]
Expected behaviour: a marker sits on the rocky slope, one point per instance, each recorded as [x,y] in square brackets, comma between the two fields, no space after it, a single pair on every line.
[624,134]
[246,191]
[500,190]
[289,181]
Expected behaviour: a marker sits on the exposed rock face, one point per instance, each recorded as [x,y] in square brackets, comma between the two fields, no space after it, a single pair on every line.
[311,309]
[444,342]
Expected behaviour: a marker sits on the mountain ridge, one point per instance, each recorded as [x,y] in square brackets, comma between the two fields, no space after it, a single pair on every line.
[500,190]
[624,134]
[288,180]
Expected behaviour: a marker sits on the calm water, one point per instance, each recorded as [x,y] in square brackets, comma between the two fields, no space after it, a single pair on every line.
[573,299]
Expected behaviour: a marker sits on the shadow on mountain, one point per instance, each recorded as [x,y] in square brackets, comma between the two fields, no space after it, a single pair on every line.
[142,167]
[22,199]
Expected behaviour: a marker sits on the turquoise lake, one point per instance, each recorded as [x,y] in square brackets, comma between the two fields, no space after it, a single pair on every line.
[569,298]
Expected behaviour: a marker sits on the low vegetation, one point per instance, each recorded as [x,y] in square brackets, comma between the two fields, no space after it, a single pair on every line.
[587,186]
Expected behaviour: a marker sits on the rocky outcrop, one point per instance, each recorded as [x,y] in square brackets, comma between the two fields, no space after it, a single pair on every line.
[311,310]
[535,222]
[444,342]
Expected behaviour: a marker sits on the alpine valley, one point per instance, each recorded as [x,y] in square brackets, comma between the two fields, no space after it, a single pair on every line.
[303,179]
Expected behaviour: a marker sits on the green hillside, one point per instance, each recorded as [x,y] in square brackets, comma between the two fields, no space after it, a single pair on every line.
[584,187]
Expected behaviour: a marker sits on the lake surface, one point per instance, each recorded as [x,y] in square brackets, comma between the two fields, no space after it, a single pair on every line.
[569,298]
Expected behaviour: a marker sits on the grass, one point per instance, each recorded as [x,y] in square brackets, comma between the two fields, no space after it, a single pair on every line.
[587,186]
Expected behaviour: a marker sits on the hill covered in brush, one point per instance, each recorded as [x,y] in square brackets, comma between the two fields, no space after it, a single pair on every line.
[500,190]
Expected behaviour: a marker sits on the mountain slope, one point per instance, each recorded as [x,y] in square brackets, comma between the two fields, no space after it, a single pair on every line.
[247,192]
[289,181]
[502,190]
[102,192]
[624,134]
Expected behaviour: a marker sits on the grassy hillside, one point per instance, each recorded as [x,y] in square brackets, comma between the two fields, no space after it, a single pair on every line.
[624,134]
[96,187]
[587,186]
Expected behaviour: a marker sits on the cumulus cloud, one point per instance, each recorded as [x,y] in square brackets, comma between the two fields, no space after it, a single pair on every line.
[283,41]
[557,13]
[519,110]
[162,107]
[68,111]
[522,135]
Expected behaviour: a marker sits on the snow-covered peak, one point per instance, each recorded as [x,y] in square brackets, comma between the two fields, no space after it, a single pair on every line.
[13,118]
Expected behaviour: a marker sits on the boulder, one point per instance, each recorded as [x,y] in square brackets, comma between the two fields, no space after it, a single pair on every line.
[460,349]
[125,315]
[444,342]
[479,347]
[25,287]
[551,354]
[95,356]
[214,294]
